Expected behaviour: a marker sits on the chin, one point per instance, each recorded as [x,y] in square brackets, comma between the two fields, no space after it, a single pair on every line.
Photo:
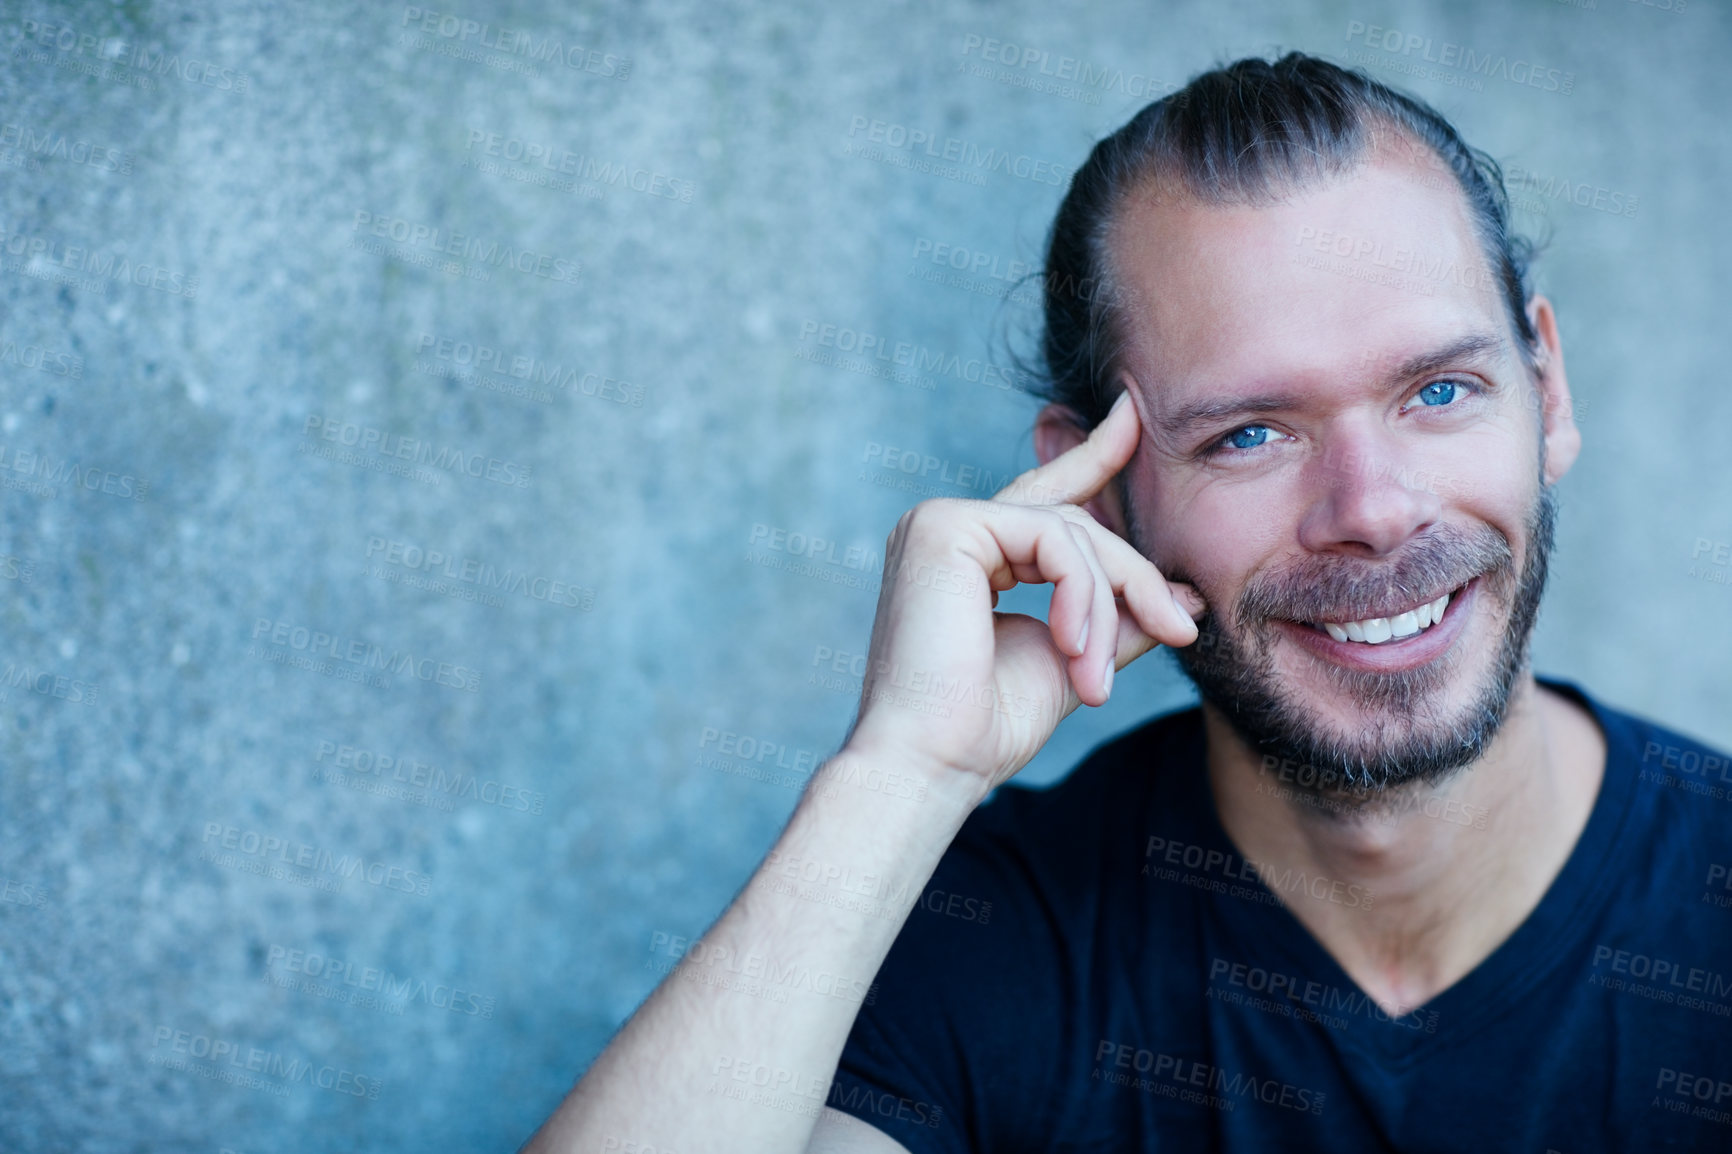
[1392,707]
[1362,731]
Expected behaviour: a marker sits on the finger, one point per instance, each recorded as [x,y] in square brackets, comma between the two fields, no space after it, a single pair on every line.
[1035,546]
[1077,474]
[1189,599]
[1165,609]
[1092,670]
[1132,644]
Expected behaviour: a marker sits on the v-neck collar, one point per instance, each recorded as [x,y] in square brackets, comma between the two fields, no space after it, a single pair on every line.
[1549,935]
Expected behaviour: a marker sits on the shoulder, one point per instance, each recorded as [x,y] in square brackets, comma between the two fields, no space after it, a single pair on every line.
[1631,727]
[1653,748]
[996,974]
[1668,784]
[1081,831]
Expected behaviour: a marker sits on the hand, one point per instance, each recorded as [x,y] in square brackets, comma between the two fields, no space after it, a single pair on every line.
[953,686]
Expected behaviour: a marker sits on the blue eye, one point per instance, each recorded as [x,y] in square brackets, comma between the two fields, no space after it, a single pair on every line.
[1437,393]
[1248,437]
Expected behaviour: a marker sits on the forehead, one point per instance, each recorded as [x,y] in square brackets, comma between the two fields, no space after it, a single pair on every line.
[1340,276]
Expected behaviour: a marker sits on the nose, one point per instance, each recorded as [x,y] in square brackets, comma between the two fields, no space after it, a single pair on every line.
[1368,498]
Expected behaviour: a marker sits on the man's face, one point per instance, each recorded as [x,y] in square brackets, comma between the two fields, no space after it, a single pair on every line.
[1339,435]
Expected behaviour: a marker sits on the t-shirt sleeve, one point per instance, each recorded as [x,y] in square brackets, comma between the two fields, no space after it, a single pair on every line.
[955,1050]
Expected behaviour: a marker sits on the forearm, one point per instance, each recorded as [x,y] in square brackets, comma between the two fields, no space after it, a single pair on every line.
[708,1065]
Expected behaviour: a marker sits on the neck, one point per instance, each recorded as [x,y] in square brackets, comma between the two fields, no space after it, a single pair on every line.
[1451,869]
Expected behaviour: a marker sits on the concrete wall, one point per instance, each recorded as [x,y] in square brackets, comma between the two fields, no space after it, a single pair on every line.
[188,302]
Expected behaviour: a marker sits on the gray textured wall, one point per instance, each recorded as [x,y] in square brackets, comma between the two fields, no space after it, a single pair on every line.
[193,805]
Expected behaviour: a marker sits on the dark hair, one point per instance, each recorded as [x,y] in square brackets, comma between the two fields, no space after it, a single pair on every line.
[1242,134]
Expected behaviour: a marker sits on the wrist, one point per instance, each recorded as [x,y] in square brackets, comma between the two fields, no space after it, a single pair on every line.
[896,774]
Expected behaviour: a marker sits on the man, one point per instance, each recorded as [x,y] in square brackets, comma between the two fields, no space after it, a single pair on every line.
[1383,890]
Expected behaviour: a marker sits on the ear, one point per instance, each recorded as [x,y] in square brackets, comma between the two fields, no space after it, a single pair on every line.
[1059,429]
[1563,440]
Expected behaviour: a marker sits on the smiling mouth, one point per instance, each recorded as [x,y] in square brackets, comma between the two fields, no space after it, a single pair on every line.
[1408,622]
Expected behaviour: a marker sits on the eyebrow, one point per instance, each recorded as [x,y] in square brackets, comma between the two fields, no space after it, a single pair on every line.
[1473,346]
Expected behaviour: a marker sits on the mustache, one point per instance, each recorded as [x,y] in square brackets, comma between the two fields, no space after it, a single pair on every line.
[1339,588]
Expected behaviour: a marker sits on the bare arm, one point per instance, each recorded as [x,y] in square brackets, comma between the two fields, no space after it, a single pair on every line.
[710,1064]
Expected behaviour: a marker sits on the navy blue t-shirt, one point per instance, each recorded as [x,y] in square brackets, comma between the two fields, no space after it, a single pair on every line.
[1094,967]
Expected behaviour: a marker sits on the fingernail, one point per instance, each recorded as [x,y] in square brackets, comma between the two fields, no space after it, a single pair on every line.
[1082,638]
[1120,403]
[1109,681]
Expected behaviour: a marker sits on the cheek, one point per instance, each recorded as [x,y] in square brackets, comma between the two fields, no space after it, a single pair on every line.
[1219,535]
[1491,476]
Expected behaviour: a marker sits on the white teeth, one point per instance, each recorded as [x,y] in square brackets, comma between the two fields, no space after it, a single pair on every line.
[1377,630]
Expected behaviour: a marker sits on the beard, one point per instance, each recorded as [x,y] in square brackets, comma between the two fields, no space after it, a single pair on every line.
[1409,735]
